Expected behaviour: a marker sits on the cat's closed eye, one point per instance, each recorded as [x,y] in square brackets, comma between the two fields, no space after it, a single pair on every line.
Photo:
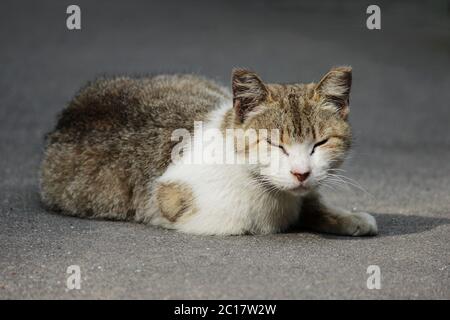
[318,144]
[278,146]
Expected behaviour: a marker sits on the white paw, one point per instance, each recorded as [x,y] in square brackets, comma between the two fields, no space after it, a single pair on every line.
[360,224]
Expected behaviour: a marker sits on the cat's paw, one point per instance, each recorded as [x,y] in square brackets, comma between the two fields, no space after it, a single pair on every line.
[360,224]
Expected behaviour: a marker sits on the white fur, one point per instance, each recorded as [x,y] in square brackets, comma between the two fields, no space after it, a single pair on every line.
[227,199]
[362,223]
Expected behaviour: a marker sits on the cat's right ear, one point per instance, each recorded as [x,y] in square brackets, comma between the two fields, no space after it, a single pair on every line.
[248,92]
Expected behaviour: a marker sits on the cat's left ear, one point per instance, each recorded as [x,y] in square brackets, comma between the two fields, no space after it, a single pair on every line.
[248,92]
[335,89]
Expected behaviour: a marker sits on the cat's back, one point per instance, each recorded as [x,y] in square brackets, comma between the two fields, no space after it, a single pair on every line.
[119,104]
[114,137]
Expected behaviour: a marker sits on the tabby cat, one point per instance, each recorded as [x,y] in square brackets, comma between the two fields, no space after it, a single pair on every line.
[111,154]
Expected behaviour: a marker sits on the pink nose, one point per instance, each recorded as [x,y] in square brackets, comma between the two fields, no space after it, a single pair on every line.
[301,176]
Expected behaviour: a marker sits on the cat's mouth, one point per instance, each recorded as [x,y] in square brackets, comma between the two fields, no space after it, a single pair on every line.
[300,189]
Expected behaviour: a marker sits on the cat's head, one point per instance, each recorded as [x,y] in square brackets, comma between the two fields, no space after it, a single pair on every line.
[314,133]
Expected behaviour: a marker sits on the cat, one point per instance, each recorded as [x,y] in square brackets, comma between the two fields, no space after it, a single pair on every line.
[111,154]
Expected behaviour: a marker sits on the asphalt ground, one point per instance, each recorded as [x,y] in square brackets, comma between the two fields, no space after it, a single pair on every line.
[399,111]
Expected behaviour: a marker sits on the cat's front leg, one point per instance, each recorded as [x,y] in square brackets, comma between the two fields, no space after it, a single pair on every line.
[318,216]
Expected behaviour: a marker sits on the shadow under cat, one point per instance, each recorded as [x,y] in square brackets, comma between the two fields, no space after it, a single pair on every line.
[390,224]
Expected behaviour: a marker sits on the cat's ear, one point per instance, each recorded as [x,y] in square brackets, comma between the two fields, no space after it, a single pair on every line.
[248,92]
[335,89]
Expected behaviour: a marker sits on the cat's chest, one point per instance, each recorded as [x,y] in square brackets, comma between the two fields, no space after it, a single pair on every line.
[250,206]
[228,199]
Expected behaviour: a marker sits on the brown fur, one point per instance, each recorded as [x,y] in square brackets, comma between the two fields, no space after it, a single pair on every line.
[300,111]
[175,200]
[317,216]
[113,140]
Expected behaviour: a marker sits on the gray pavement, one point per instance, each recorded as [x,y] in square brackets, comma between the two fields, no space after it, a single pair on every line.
[400,113]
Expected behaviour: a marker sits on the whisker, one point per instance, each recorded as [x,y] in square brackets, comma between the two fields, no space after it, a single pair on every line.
[348,181]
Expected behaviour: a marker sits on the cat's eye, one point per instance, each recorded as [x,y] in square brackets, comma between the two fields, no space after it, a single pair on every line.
[318,144]
[277,145]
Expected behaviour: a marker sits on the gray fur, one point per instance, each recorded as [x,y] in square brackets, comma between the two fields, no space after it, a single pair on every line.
[113,140]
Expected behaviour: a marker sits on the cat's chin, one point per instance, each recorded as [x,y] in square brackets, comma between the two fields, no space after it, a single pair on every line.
[299,191]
